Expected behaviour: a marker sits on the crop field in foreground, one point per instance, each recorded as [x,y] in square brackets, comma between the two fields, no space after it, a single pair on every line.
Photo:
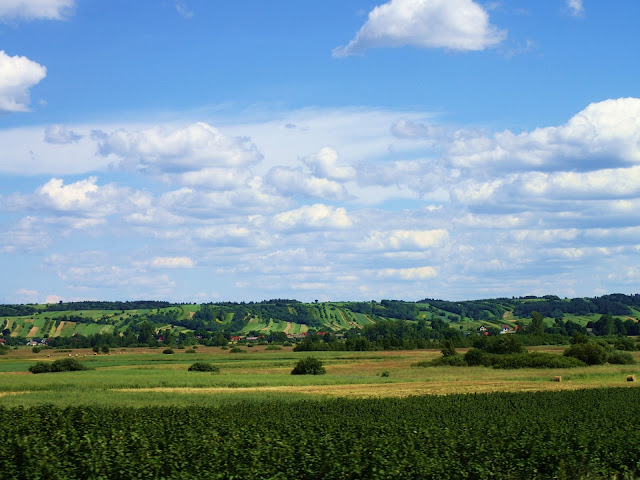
[569,434]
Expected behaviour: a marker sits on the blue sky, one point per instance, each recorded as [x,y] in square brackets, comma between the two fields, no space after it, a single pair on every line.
[207,151]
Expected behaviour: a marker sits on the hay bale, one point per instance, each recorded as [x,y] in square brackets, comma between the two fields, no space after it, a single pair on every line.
[631,378]
[557,378]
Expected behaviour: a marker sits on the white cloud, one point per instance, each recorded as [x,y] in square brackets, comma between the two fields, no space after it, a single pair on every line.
[575,8]
[316,216]
[214,178]
[80,205]
[452,24]
[27,235]
[232,235]
[246,200]
[293,181]
[608,130]
[60,135]
[35,9]
[405,239]
[528,188]
[411,129]
[604,183]
[17,75]
[324,164]
[172,262]
[81,196]
[198,146]
[96,270]
[545,236]
[52,299]
[417,273]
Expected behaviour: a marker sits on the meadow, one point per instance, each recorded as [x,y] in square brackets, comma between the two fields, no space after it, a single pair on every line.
[146,376]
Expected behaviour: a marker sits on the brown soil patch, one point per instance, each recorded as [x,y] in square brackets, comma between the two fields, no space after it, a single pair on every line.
[191,314]
[287,329]
[33,331]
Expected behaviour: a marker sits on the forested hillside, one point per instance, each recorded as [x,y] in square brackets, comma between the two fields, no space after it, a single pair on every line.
[387,321]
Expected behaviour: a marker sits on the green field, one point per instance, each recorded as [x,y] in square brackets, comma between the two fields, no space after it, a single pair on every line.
[138,413]
[144,376]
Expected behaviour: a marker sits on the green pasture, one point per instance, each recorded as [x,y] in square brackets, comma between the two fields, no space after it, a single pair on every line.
[144,376]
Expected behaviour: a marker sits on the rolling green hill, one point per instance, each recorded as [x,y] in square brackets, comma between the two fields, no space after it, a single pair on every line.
[291,317]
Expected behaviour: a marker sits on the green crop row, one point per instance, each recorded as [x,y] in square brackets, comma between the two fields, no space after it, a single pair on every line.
[570,434]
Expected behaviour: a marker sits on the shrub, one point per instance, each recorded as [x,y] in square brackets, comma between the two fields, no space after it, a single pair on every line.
[36,349]
[168,351]
[385,373]
[532,360]
[62,365]
[190,351]
[273,347]
[621,358]
[474,357]
[67,365]
[224,347]
[203,367]
[604,344]
[309,366]
[104,349]
[500,344]
[237,350]
[40,367]
[287,344]
[448,348]
[626,344]
[590,353]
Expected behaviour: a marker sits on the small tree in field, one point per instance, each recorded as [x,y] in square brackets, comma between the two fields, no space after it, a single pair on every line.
[309,366]
[448,349]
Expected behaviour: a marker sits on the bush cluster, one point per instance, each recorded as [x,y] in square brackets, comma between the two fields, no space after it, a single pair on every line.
[598,353]
[203,367]
[62,365]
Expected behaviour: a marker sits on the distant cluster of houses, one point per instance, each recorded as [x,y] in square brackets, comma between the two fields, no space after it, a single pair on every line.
[36,342]
[504,329]
[291,336]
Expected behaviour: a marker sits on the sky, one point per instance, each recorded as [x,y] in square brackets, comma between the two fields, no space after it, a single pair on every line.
[198,151]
